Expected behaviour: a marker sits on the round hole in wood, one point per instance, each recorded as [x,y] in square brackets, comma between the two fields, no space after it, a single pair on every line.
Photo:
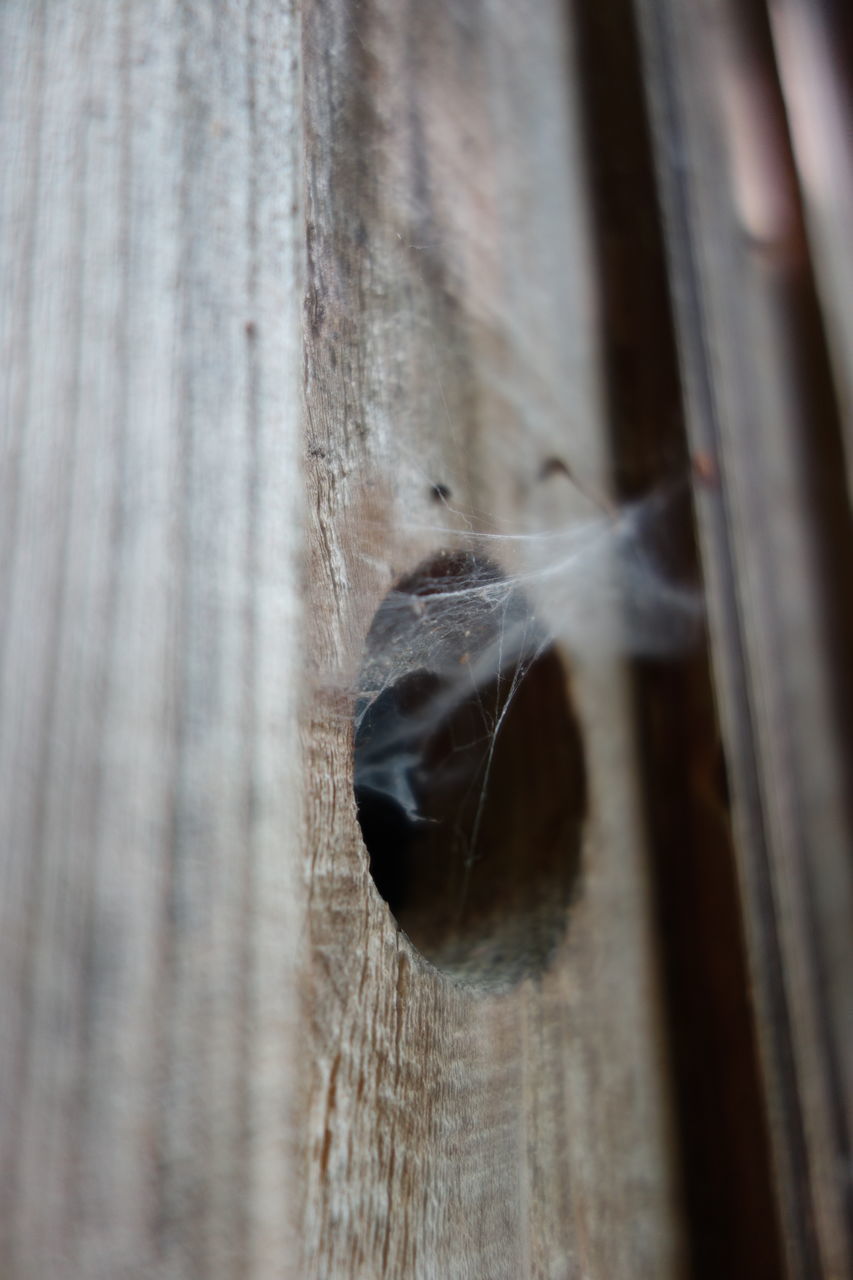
[469,771]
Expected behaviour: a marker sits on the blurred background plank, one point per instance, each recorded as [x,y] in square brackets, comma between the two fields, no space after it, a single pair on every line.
[813,45]
[150,603]
[763,404]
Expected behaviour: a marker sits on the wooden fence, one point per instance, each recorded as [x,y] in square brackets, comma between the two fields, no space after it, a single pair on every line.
[297,299]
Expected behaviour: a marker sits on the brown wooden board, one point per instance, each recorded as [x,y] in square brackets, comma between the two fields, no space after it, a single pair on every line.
[302,302]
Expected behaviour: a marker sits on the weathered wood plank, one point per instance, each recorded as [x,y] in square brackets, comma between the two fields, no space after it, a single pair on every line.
[150,606]
[161,1085]
[450,341]
[717,1086]
[294,297]
[776,540]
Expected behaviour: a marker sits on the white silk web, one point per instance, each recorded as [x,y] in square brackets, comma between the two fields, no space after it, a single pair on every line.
[460,625]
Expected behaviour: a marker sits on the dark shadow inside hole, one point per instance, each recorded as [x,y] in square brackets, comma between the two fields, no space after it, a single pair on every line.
[469,771]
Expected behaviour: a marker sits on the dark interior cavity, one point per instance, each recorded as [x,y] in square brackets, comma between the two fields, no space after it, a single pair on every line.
[469,771]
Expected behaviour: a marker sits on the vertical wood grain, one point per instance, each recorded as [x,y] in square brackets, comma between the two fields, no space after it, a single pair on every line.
[726,1165]
[220,1057]
[775,534]
[151,607]
[275,278]
[451,340]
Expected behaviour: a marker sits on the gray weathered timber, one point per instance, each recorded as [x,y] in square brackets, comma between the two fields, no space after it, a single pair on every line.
[271,272]
[776,548]
[151,532]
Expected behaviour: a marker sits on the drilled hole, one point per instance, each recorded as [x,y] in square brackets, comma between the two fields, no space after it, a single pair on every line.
[469,771]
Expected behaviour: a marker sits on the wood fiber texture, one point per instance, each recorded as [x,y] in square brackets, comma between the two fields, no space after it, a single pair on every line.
[450,299]
[295,297]
[151,540]
[257,262]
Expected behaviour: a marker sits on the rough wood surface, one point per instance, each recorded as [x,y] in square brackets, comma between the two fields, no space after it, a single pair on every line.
[294,296]
[219,1056]
[150,605]
[450,341]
